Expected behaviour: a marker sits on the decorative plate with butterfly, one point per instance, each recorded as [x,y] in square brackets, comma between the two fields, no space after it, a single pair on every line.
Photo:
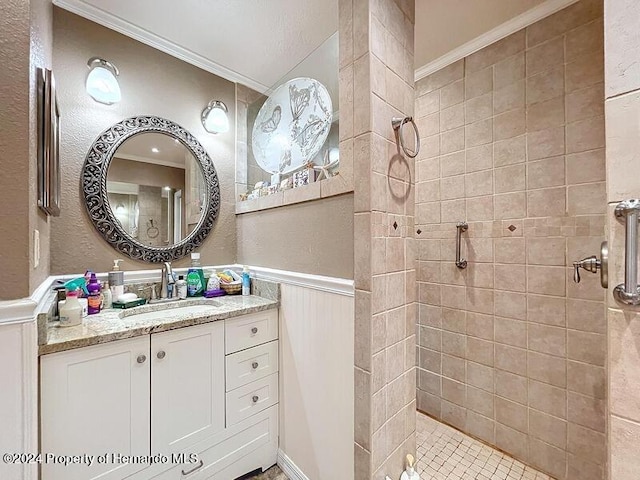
[292,125]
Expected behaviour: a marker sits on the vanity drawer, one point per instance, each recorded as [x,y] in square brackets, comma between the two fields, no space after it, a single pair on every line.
[251,399]
[250,330]
[252,364]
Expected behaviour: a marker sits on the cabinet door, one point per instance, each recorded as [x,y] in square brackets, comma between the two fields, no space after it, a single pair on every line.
[187,380]
[95,401]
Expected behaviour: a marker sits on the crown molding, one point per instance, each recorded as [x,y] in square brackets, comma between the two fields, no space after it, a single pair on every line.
[501,31]
[97,15]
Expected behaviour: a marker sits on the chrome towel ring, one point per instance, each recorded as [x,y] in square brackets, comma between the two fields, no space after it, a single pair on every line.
[397,124]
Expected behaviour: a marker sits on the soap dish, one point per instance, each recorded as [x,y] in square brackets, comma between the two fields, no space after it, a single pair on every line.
[130,304]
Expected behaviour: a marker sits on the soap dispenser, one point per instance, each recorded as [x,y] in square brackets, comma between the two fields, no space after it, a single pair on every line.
[410,473]
[116,280]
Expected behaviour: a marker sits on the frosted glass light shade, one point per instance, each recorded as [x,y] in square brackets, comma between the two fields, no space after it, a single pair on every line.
[214,117]
[102,84]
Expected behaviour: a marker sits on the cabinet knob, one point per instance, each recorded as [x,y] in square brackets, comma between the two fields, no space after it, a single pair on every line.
[254,330]
[254,365]
[142,358]
[255,398]
[161,354]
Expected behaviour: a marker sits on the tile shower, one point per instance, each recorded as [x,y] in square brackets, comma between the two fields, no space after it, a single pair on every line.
[511,350]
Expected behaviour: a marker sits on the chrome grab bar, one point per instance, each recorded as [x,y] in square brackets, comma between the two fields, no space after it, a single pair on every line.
[629,213]
[461,227]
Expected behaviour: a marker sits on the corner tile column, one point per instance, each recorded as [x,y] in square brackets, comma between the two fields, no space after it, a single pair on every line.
[376,61]
[622,109]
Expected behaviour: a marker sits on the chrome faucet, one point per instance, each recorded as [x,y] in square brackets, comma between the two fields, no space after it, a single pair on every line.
[166,289]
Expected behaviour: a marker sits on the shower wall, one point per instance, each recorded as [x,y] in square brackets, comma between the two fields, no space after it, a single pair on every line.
[510,349]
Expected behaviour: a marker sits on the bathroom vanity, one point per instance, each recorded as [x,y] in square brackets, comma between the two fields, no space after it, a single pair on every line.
[182,390]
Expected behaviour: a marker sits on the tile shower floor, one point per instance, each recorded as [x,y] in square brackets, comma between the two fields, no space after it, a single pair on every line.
[447,454]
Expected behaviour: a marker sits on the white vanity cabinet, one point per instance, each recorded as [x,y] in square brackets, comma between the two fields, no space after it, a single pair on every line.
[209,390]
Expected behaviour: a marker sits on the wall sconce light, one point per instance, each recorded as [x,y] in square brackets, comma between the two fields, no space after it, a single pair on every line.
[214,117]
[102,84]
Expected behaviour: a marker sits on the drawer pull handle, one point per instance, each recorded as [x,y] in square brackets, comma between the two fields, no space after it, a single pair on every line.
[199,465]
[161,354]
[255,398]
[254,330]
[254,365]
[141,358]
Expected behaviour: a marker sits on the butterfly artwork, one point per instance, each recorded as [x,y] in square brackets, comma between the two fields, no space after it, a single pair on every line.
[292,126]
[271,124]
[299,100]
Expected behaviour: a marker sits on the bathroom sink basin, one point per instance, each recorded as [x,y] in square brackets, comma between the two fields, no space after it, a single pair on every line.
[154,311]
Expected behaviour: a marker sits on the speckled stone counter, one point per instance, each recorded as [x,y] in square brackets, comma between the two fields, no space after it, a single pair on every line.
[116,324]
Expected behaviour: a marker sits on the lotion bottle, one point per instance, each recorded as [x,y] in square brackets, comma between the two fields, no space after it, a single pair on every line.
[116,280]
[410,473]
[70,312]
[246,281]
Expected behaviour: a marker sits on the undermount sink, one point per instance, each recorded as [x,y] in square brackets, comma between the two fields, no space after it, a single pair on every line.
[150,311]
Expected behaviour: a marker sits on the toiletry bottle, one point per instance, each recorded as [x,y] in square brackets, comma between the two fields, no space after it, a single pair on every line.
[181,287]
[94,295]
[410,473]
[116,280]
[246,281]
[195,277]
[107,298]
[214,281]
[70,312]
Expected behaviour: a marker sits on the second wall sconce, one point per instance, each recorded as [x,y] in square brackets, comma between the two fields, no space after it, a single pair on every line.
[102,84]
[214,117]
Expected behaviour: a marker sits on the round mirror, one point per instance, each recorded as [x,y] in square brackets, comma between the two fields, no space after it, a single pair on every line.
[151,189]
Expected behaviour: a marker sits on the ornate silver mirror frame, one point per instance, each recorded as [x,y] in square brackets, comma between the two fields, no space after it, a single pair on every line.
[94,188]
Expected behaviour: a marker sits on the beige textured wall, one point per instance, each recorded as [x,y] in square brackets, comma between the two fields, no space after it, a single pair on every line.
[510,349]
[376,66]
[312,237]
[622,82]
[25,41]
[152,83]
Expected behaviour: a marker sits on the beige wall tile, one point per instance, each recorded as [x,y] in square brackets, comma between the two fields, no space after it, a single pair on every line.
[511,386]
[623,146]
[624,363]
[509,250]
[479,133]
[479,351]
[587,411]
[453,164]
[586,167]
[547,202]
[511,359]
[511,414]
[478,83]
[586,379]
[480,325]
[549,172]
[480,376]
[547,457]
[453,368]
[545,143]
[452,211]
[586,443]
[545,85]
[510,277]
[587,347]
[547,114]
[452,94]
[441,78]
[452,141]
[548,399]
[587,199]
[452,187]
[586,316]
[452,117]
[510,332]
[478,183]
[546,280]
[427,103]
[496,52]
[480,426]
[509,70]
[512,440]
[545,56]
[453,414]
[621,26]
[480,208]
[588,38]
[479,158]
[549,429]
[480,300]
[511,151]
[584,71]
[480,401]
[509,124]
[585,135]
[510,206]
[509,97]
[585,103]
[478,108]
[547,310]
[563,21]
[546,251]
[546,368]
[510,304]
[625,449]
[547,339]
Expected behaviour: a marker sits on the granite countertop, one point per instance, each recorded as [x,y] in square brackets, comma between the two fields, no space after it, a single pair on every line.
[116,324]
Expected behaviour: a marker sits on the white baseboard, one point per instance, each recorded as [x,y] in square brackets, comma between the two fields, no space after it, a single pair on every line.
[289,468]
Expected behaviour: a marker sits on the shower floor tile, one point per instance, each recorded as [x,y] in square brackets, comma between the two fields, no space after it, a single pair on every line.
[447,454]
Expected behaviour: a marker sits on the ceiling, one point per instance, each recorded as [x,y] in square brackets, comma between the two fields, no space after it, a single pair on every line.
[253,42]
[444,25]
